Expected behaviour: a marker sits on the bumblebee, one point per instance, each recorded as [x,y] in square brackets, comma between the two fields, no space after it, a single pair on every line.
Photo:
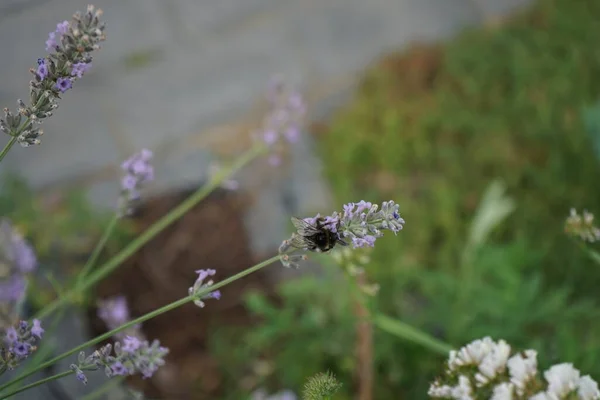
[314,237]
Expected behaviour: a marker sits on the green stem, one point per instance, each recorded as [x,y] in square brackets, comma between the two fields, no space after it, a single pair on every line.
[154,230]
[8,146]
[106,386]
[97,250]
[407,332]
[146,317]
[37,383]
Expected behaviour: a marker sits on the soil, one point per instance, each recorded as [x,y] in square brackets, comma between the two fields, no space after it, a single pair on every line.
[212,235]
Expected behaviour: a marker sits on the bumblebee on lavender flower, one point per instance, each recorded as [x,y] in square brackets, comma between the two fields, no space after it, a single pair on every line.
[315,235]
[361,223]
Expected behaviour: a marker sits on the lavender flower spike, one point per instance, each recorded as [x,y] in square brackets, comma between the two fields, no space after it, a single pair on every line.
[200,285]
[130,357]
[18,342]
[70,46]
[138,171]
[362,223]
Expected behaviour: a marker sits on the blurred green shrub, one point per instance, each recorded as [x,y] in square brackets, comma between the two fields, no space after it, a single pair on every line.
[431,128]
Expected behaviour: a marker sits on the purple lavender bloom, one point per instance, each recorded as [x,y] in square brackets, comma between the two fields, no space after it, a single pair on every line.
[129,182]
[134,356]
[361,222]
[42,69]
[283,121]
[63,84]
[200,286]
[11,335]
[51,42]
[270,137]
[21,349]
[62,28]
[138,171]
[131,344]
[25,259]
[80,68]
[292,134]
[37,329]
[113,311]
[119,369]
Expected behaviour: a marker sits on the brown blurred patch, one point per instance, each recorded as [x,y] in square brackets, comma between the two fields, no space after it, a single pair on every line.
[212,235]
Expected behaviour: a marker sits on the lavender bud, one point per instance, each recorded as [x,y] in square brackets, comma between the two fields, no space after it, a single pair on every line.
[138,171]
[79,374]
[200,286]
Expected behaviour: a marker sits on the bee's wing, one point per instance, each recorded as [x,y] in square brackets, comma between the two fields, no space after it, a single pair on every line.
[300,242]
[303,227]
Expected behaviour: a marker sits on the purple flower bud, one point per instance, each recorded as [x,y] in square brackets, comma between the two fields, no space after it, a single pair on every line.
[51,42]
[37,329]
[42,69]
[79,374]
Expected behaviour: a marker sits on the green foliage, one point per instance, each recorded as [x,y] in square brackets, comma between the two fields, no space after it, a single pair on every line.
[63,231]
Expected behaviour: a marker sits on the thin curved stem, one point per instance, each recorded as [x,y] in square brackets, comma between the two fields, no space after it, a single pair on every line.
[8,146]
[37,383]
[97,250]
[153,230]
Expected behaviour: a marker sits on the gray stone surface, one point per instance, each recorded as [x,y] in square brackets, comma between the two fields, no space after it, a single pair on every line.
[173,73]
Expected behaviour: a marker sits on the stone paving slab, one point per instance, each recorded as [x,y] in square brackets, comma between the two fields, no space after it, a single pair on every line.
[168,71]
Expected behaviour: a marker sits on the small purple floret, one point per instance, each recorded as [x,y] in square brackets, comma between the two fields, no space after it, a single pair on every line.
[37,329]
[64,84]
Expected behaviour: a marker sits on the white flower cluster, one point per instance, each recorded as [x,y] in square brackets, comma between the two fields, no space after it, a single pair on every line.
[485,365]
[582,226]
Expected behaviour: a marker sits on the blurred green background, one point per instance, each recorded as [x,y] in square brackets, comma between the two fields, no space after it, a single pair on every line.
[432,128]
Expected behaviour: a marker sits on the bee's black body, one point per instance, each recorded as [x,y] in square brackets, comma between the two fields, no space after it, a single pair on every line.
[314,237]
